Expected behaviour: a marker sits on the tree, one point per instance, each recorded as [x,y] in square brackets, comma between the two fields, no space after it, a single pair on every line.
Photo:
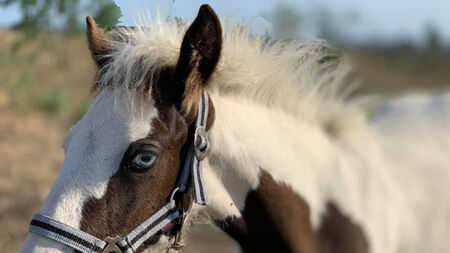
[433,40]
[107,13]
[286,21]
[67,15]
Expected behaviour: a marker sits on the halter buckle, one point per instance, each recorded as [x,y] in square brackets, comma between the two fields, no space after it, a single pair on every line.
[112,247]
[201,143]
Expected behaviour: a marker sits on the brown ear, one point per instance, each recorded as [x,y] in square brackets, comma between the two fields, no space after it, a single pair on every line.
[98,43]
[199,54]
[200,50]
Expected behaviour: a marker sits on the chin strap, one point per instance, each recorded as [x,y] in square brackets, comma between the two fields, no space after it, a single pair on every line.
[191,181]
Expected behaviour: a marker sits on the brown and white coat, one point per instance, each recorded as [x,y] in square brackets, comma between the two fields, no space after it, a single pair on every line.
[293,167]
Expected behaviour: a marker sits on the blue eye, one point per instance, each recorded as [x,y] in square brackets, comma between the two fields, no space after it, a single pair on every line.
[145,159]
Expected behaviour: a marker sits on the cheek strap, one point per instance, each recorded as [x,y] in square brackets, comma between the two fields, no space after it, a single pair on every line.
[192,175]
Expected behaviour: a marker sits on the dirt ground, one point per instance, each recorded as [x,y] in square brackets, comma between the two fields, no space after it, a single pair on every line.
[44,89]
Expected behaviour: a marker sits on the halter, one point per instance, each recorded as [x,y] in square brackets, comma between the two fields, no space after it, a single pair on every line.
[191,181]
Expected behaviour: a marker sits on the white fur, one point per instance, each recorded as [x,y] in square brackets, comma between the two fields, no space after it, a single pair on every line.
[279,109]
[390,175]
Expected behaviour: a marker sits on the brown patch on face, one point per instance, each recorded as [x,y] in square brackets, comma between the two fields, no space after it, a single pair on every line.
[133,194]
[275,219]
[339,234]
[167,91]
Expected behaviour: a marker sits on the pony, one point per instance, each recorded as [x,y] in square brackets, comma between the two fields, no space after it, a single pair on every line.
[292,163]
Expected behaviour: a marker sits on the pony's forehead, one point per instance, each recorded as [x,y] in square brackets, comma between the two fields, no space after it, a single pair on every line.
[113,111]
[119,104]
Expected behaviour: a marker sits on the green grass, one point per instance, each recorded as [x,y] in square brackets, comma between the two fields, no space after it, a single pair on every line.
[51,73]
[22,94]
[54,100]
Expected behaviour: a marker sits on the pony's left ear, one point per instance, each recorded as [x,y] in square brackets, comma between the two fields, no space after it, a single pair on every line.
[199,54]
[99,45]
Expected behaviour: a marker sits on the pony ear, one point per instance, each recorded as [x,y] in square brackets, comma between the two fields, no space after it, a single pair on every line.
[199,54]
[200,50]
[97,41]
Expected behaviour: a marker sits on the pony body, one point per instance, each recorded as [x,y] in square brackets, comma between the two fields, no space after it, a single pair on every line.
[389,186]
[281,110]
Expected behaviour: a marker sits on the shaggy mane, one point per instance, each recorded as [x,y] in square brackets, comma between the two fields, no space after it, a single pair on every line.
[297,76]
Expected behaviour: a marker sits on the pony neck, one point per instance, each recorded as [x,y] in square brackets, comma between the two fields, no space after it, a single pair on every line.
[247,138]
[345,167]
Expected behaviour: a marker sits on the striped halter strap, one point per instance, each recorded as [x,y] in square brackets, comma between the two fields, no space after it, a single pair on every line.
[190,182]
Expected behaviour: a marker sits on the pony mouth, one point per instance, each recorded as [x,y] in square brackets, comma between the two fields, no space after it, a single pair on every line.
[169,231]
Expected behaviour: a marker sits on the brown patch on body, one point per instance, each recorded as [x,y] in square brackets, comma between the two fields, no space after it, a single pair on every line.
[339,234]
[276,219]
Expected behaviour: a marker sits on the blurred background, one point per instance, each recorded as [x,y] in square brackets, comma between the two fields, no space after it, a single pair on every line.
[396,47]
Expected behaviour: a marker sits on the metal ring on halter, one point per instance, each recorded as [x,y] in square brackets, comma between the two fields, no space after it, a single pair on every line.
[172,195]
[200,139]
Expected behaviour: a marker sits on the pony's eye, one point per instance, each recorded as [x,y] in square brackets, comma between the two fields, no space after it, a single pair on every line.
[145,159]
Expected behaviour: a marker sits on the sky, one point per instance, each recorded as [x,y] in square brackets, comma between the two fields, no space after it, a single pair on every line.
[379,20]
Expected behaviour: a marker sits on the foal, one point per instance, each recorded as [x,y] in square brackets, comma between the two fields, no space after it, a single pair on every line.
[190,126]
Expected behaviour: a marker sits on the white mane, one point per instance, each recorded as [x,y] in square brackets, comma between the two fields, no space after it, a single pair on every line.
[298,76]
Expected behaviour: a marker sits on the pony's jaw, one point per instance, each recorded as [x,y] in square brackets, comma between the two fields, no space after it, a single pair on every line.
[161,246]
[38,244]
[93,154]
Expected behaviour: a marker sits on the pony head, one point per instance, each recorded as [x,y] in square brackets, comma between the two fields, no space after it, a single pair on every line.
[124,157]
